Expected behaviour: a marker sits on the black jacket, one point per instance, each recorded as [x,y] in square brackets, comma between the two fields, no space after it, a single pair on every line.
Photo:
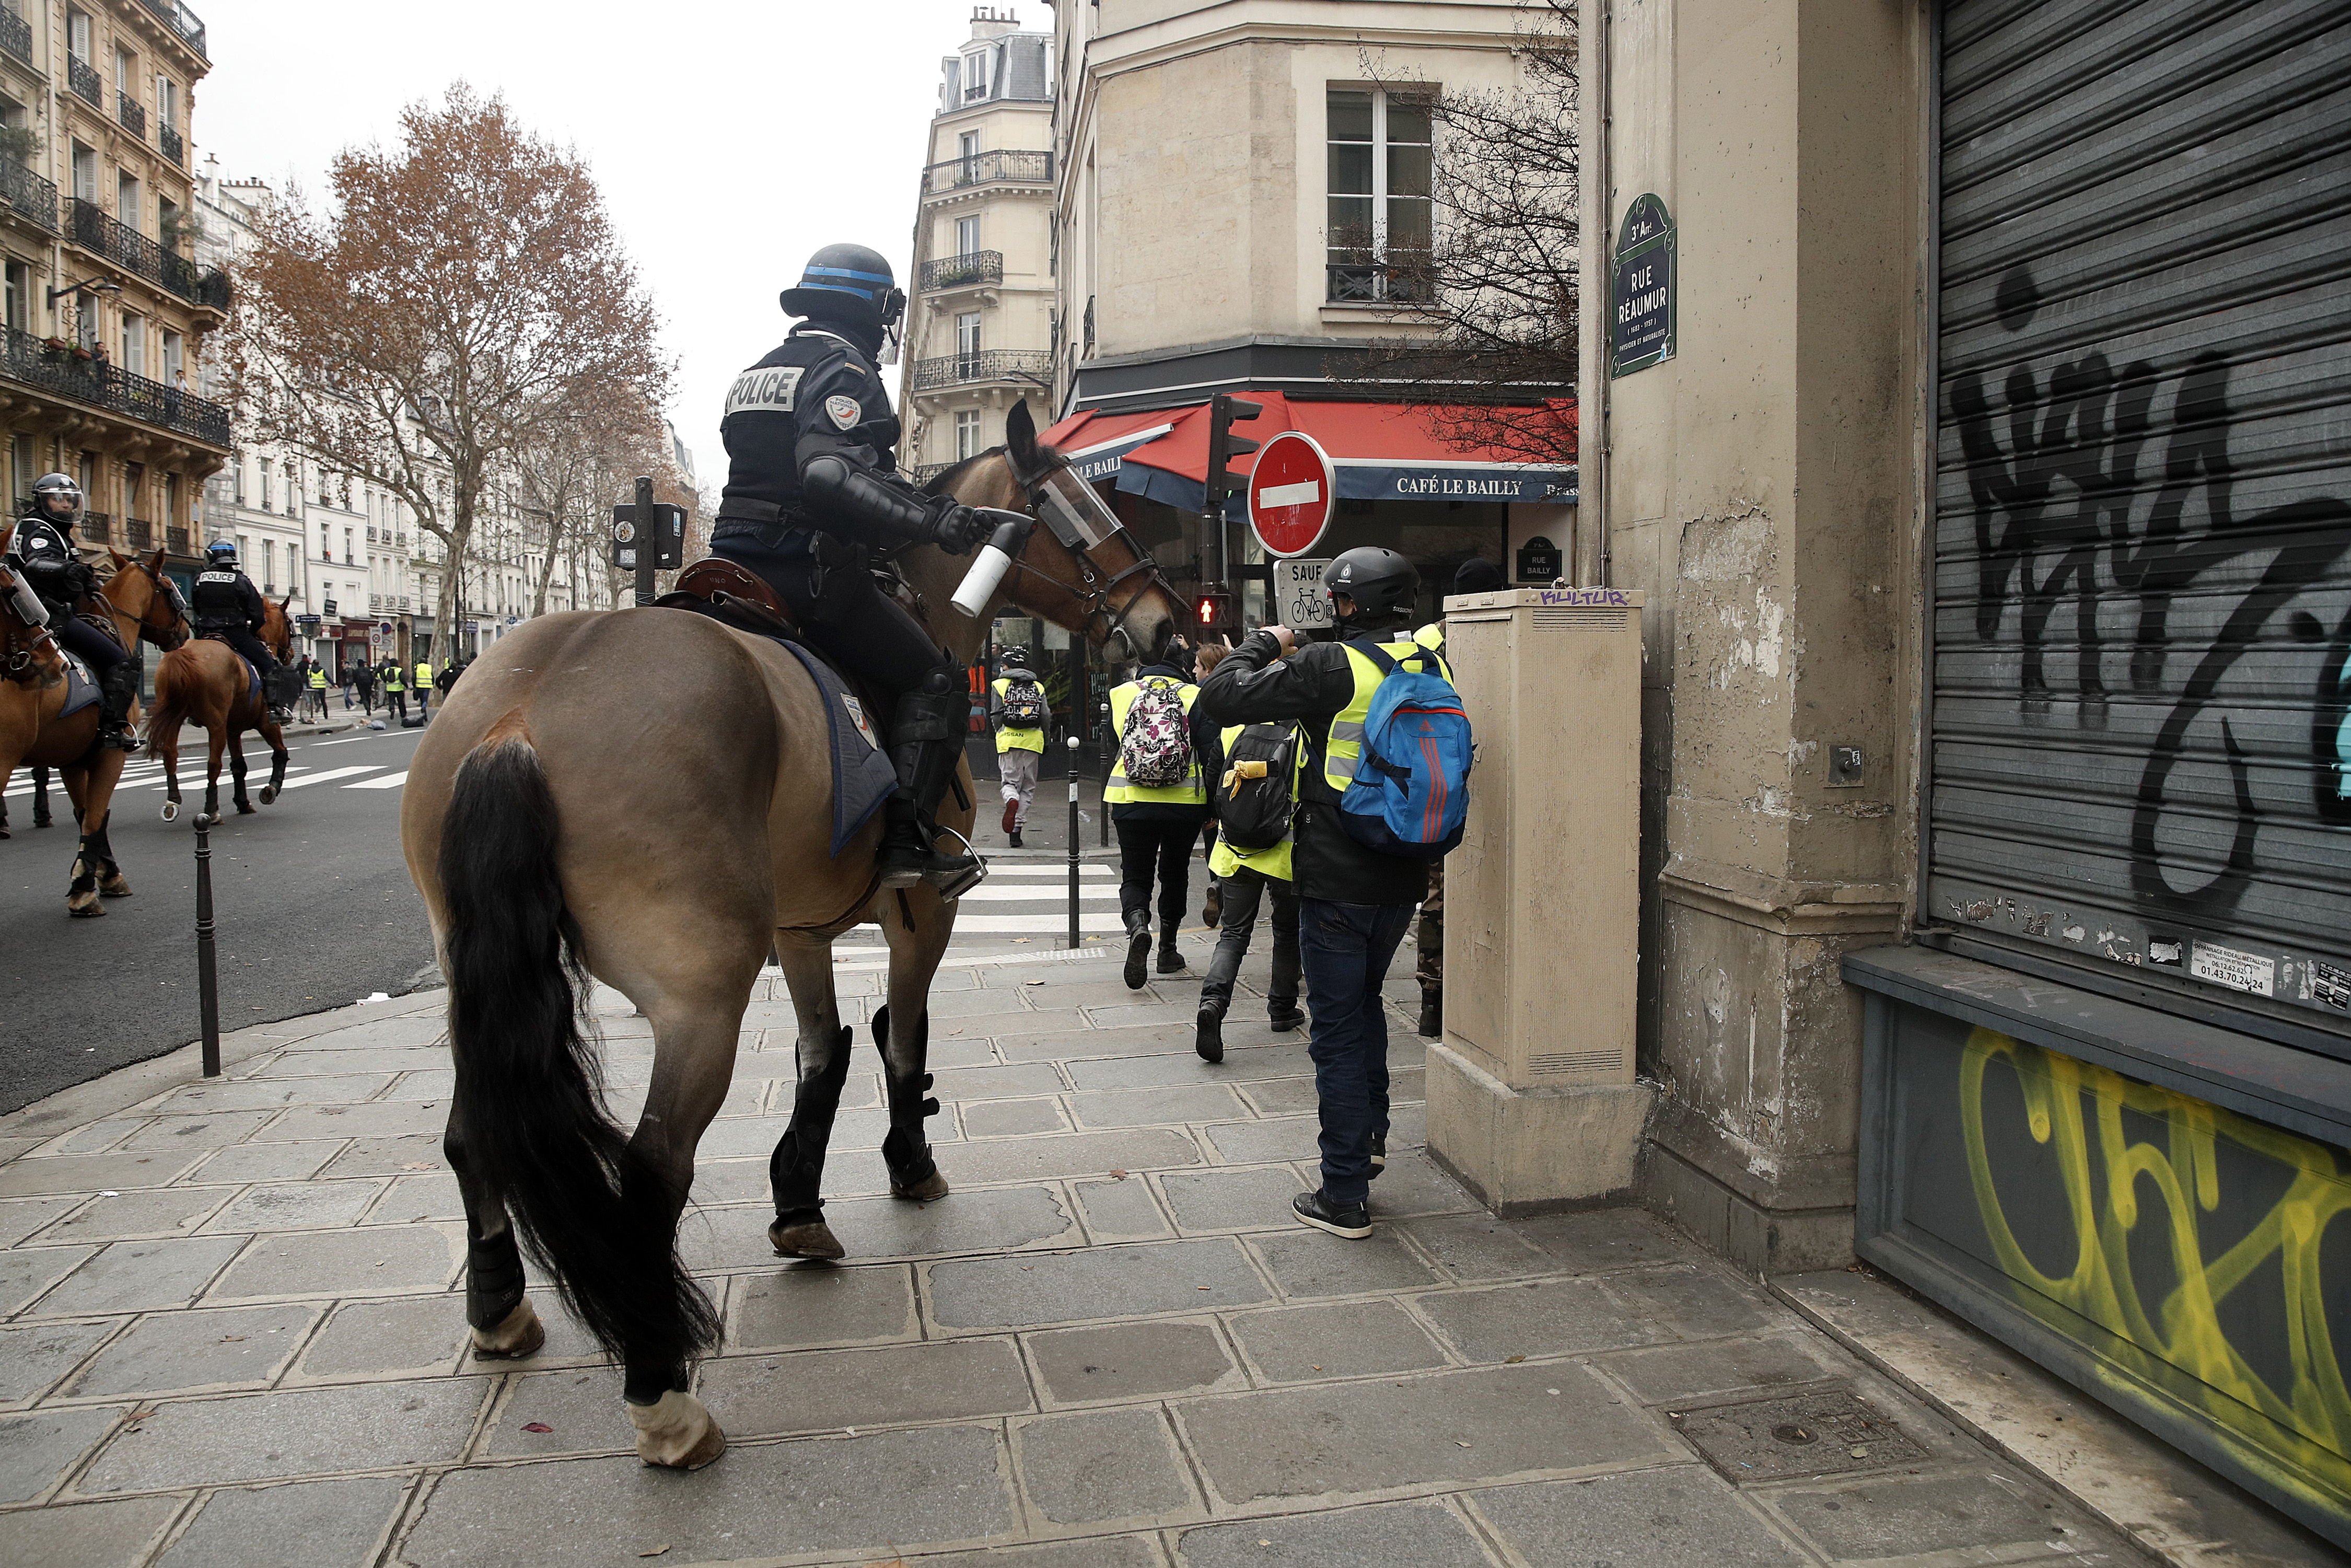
[817,391]
[225,597]
[1208,745]
[1313,685]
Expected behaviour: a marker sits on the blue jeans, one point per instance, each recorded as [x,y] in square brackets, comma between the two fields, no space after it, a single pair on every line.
[1345,950]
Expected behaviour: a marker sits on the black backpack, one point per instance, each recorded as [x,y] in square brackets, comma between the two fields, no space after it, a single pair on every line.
[1024,703]
[1254,797]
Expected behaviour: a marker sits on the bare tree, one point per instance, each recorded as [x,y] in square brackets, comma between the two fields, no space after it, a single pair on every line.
[462,287]
[575,463]
[1494,298]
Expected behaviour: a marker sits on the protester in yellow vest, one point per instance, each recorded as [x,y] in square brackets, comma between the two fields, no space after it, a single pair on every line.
[1247,875]
[423,683]
[1158,818]
[395,691]
[1021,713]
[316,695]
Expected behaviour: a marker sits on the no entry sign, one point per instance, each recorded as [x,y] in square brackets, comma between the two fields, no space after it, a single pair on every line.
[1290,493]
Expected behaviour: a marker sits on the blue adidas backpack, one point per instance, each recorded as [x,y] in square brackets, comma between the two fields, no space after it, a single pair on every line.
[1410,796]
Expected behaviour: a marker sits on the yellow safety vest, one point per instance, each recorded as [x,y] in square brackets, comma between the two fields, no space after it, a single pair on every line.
[1193,791]
[1273,863]
[1344,746]
[318,680]
[391,681]
[424,675]
[1431,637]
[1009,739]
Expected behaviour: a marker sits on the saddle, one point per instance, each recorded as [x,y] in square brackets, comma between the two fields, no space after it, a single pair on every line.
[734,596]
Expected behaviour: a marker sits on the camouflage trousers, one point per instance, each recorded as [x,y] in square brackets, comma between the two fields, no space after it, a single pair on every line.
[1430,970]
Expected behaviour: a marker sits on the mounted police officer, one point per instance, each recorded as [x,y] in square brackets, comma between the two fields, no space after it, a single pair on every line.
[226,605]
[42,550]
[812,490]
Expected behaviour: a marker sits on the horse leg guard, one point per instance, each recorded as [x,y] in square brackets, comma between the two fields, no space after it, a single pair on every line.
[914,1174]
[505,1327]
[675,1431]
[111,883]
[245,806]
[276,776]
[81,895]
[796,1169]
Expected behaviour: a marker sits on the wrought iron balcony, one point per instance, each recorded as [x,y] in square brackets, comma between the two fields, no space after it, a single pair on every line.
[139,533]
[17,35]
[55,366]
[82,77]
[135,252]
[174,147]
[175,538]
[181,21]
[97,528]
[985,168]
[980,266]
[27,195]
[1029,365]
[133,118]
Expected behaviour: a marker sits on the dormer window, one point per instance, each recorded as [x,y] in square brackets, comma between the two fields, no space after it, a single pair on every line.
[979,73]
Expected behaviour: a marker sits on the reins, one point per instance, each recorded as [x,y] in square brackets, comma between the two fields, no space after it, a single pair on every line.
[1098,603]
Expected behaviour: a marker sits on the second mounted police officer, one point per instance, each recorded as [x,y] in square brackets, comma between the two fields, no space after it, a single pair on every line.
[813,492]
[226,605]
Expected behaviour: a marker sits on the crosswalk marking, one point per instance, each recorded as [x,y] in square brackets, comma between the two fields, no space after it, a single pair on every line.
[1091,923]
[333,773]
[391,781]
[989,892]
[1058,868]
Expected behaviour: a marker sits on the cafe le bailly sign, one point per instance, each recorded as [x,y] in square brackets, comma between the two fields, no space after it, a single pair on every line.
[1641,293]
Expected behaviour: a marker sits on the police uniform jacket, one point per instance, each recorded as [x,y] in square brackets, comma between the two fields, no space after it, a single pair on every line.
[224,595]
[818,391]
[53,568]
[1313,685]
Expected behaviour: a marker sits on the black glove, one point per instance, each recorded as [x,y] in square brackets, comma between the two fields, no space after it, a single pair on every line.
[958,530]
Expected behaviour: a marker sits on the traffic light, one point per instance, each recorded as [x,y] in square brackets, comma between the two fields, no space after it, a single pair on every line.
[1212,611]
[1224,412]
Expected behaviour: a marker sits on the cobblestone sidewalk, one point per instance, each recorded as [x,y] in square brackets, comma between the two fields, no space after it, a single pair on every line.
[233,1335]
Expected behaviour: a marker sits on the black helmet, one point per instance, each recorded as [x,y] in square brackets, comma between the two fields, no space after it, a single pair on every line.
[221,553]
[851,283]
[1014,659]
[1380,581]
[49,484]
[1478,575]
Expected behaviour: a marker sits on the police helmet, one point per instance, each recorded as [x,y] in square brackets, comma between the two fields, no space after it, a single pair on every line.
[848,283]
[49,484]
[1380,582]
[221,553]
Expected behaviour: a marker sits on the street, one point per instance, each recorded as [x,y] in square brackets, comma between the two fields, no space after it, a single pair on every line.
[313,907]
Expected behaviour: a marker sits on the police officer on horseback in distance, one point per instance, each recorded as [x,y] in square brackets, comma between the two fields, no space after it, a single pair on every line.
[42,552]
[813,491]
[226,605]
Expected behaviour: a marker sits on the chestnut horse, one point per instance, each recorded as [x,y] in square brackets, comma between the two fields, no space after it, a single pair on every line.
[209,682]
[643,796]
[143,605]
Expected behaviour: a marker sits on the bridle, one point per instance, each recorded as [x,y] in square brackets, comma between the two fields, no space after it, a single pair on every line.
[169,592]
[1097,589]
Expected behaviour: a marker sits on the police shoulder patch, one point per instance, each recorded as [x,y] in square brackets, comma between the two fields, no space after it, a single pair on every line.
[845,411]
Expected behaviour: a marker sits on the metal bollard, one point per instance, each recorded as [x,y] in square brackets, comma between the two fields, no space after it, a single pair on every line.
[1073,841]
[207,972]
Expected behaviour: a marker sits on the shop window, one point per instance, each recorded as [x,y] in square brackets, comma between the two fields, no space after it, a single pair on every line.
[1380,211]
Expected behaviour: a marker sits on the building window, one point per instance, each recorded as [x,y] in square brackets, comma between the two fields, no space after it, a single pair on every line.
[86,321]
[77,35]
[1379,201]
[967,343]
[967,237]
[134,343]
[20,453]
[266,497]
[175,359]
[85,172]
[19,295]
[167,224]
[978,74]
[968,154]
[237,467]
[167,102]
[126,202]
[269,566]
[967,428]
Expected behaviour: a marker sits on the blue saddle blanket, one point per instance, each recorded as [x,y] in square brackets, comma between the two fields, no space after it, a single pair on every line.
[81,687]
[252,679]
[862,777]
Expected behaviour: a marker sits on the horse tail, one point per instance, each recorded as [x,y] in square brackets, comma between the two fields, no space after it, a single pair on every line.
[177,678]
[530,1091]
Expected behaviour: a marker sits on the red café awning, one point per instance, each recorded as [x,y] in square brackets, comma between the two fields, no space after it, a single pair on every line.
[1382,451]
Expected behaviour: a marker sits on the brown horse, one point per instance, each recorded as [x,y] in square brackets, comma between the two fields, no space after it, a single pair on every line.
[209,682]
[142,605]
[644,796]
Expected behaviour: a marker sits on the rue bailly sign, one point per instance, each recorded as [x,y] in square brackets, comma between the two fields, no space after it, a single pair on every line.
[1641,294]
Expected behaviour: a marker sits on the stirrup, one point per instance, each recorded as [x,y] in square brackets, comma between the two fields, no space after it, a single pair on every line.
[953,884]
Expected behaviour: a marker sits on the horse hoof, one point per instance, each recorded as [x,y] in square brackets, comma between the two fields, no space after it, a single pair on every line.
[246,809]
[84,905]
[806,1239]
[171,810]
[268,796]
[518,1334]
[677,1432]
[115,886]
[930,1189]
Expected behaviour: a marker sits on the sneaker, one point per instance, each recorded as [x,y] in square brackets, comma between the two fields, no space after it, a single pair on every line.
[1212,906]
[1138,954]
[1016,840]
[1011,813]
[1352,1220]
[1283,1019]
[1209,1039]
[1379,1153]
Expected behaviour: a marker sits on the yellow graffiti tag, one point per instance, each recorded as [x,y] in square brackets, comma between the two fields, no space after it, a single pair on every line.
[2295,1438]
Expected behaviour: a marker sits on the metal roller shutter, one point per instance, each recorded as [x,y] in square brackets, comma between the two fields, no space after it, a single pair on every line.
[2140,744]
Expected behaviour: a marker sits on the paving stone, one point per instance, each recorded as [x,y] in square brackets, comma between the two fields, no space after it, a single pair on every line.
[1102,1282]
[26,1272]
[1151,1107]
[1131,1361]
[388,1156]
[807,1305]
[999,1220]
[997,1083]
[1256,1143]
[92,1535]
[938,1485]
[1425,1534]
[157,1211]
[1104,1467]
[1604,1238]
[976,1004]
[1283,1097]
[1138,1013]
[436,1084]
[1694,1300]
[580,1407]
[91,1137]
[1912,1515]
[379,1259]
[33,1356]
[1550,1317]
[387,1119]
[1306,1262]
[268,1162]
[1822,1432]
[216,1131]
[1678,1517]
[1106,992]
[413,1335]
[1477,1247]
[1094,1551]
[1061,1045]
[1245,1199]
[141,1276]
[1072,1154]
[1240,1065]
[39,1177]
[213,1349]
[271,1094]
[746,1181]
[1412,1185]
[1666,1373]
[264,1437]
[411,1198]
[23,1217]
[1121,1210]
[362,1059]
[41,1446]
[309,1524]
[408,1028]
[1463,1428]
[1350,1339]
[1012,1118]
[297,1206]
[827,1390]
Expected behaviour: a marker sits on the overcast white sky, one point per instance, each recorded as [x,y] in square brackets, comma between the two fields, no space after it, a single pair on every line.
[731,137]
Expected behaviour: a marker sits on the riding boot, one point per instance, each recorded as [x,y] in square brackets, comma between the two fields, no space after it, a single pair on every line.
[117,692]
[925,747]
[914,1174]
